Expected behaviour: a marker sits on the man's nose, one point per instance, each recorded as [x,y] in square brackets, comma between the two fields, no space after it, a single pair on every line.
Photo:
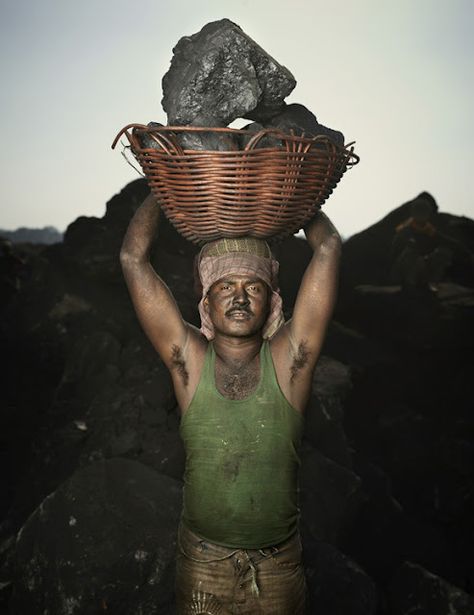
[240,296]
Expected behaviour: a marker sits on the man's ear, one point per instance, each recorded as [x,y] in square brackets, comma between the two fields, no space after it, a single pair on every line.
[205,303]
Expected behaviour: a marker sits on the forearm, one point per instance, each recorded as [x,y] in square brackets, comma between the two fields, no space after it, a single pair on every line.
[141,231]
[154,304]
[321,277]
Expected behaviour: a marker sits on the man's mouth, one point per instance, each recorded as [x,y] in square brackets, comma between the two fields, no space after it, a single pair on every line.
[238,313]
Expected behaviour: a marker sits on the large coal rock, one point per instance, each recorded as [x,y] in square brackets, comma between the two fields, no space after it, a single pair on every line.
[387,455]
[416,590]
[98,541]
[324,416]
[383,534]
[299,120]
[337,585]
[330,495]
[220,74]
[293,119]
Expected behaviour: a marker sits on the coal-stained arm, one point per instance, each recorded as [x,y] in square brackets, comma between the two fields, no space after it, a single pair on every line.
[317,294]
[154,304]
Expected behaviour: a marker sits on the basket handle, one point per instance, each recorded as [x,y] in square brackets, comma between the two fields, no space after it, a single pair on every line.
[302,147]
[125,130]
[166,142]
[253,141]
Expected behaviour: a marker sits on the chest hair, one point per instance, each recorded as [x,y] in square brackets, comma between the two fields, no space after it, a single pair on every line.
[237,381]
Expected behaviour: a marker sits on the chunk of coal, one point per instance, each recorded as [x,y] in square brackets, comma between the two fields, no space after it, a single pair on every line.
[207,141]
[188,140]
[145,139]
[220,74]
[295,119]
[299,119]
[253,129]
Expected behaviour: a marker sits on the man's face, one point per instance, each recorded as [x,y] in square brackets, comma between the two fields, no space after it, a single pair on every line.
[238,305]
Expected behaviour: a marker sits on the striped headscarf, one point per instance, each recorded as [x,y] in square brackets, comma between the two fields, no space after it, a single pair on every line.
[242,256]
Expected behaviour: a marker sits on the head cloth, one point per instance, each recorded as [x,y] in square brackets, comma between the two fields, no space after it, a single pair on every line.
[242,256]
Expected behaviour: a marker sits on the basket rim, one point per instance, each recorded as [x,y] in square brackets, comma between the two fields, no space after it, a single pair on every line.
[346,149]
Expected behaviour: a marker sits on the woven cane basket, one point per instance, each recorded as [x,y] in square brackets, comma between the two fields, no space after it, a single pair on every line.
[264,192]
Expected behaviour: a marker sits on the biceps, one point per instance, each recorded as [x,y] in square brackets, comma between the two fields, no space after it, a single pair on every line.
[156,309]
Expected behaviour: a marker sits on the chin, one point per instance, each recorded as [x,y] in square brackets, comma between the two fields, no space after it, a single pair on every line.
[240,328]
[243,331]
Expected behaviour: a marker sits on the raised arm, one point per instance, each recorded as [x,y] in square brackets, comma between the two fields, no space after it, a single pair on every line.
[297,345]
[317,293]
[154,304]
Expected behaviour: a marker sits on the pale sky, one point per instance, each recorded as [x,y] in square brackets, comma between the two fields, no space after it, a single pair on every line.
[396,77]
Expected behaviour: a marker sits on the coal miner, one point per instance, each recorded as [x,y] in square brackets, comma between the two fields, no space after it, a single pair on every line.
[242,383]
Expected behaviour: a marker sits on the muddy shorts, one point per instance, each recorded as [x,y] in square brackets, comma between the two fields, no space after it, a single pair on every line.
[215,580]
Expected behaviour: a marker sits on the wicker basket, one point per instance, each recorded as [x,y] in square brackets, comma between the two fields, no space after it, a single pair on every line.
[266,192]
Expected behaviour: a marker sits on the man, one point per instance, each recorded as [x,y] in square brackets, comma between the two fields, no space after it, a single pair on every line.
[422,255]
[416,256]
[242,383]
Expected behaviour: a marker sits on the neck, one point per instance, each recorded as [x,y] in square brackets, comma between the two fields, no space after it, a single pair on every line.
[237,349]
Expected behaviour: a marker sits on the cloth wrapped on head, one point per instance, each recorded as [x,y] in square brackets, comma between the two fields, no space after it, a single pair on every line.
[242,256]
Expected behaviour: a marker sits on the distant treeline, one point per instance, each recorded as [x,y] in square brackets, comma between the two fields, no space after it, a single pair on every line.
[46,235]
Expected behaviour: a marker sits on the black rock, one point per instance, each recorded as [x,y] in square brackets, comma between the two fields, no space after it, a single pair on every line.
[82,383]
[100,539]
[252,129]
[324,416]
[206,140]
[93,362]
[383,535]
[329,496]
[298,119]
[146,140]
[415,590]
[220,74]
[172,141]
[337,585]
[293,255]
[293,119]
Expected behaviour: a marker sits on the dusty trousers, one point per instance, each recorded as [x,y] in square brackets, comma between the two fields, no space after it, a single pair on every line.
[215,580]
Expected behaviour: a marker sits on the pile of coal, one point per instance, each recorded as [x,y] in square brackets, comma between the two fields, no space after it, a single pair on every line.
[89,429]
[219,75]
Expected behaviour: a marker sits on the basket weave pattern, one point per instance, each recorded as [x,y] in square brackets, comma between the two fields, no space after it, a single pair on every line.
[267,192]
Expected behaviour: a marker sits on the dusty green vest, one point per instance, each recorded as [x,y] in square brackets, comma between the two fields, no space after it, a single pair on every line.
[240,482]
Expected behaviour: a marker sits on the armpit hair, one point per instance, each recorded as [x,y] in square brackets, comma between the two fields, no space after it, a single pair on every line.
[179,364]
[300,359]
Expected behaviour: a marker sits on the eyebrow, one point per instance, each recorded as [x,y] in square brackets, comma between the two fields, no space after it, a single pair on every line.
[231,280]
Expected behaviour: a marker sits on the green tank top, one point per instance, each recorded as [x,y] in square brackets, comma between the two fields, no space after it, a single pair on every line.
[240,481]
